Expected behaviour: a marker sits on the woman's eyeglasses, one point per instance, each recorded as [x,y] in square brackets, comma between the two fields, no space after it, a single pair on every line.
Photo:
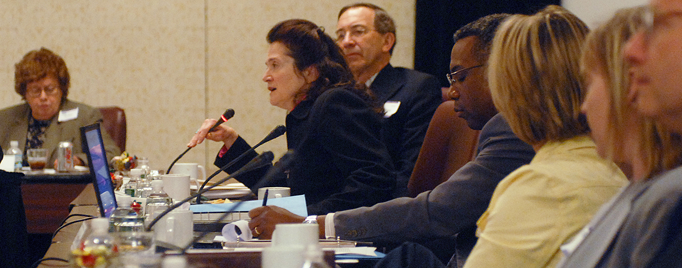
[36,91]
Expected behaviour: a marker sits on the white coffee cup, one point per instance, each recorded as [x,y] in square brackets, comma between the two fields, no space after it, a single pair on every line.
[274,192]
[176,228]
[194,170]
[295,234]
[176,186]
[282,257]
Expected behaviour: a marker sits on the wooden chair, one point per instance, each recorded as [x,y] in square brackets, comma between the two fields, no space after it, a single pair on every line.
[448,145]
[115,124]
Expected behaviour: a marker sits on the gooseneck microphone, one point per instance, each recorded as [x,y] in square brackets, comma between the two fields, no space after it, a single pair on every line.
[278,131]
[229,113]
[259,161]
[282,164]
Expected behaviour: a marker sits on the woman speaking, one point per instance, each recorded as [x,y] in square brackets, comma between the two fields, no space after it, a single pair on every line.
[332,124]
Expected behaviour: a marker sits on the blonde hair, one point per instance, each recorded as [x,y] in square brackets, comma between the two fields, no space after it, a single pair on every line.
[602,53]
[534,75]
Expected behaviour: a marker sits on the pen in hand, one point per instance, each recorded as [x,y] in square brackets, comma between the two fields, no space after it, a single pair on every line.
[265,198]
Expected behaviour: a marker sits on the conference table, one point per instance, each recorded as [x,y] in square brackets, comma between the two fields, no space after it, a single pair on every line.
[85,203]
[47,197]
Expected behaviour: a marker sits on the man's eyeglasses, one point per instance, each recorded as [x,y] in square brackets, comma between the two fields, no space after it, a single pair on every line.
[654,21]
[355,32]
[36,91]
[460,75]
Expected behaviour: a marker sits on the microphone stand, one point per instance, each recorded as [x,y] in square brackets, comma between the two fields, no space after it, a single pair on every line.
[258,162]
[176,159]
[229,113]
[278,131]
[282,164]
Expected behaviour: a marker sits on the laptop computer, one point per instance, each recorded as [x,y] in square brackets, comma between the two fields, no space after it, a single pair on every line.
[99,168]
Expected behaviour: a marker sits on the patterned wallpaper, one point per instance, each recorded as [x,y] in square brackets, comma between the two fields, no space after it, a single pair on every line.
[171,63]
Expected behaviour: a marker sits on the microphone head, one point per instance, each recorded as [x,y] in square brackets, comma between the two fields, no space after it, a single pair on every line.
[286,159]
[278,131]
[267,156]
[259,161]
[229,113]
[282,164]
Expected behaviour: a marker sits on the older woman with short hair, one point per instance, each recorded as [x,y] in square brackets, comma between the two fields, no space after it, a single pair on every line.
[43,81]
[535,83]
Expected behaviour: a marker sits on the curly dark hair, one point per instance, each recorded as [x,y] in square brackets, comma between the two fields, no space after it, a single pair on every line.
[484,29]
[309,45]
[38,64]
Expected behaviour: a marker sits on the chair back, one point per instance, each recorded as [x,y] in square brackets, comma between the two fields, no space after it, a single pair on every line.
[448,145]
[115,124]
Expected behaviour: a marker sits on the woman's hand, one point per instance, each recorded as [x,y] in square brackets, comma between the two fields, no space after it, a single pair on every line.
[264,219]
[221,133]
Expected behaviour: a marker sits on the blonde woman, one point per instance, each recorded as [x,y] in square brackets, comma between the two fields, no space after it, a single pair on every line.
[535,84]
[640,147]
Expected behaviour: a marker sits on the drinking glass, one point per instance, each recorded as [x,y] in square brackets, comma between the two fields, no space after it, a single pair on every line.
[37,158]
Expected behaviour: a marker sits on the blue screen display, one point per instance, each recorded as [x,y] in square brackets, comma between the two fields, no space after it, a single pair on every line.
[100,168]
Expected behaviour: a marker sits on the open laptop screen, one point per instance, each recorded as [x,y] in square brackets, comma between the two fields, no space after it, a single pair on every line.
[99,168]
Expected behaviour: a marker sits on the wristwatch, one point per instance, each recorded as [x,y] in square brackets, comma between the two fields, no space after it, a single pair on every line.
[311,219]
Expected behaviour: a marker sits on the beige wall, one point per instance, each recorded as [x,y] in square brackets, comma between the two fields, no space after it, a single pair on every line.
[171,63]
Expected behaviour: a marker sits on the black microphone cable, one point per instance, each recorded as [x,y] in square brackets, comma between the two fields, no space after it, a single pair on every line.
[229,113]
[283,163]
[260,161]
[278,131]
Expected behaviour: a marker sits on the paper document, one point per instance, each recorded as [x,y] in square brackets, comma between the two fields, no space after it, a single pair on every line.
[295,204]
[7,163]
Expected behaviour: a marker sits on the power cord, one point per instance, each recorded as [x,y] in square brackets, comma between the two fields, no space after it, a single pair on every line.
[74,215]
[67,224]
[38,262]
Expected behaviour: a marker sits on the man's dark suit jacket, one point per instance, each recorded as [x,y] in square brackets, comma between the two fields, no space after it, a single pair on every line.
[339,161]
[453,207]
[403,133]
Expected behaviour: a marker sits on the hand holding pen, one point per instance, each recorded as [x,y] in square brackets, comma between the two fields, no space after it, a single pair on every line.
[265,197]
[265,218]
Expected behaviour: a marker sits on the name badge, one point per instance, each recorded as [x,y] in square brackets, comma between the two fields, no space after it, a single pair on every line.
[68,115]
[390,108]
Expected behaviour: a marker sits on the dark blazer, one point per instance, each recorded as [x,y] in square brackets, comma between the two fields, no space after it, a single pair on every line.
[14,126]
[339,161]
[642,227]
[453,207]
[403,133]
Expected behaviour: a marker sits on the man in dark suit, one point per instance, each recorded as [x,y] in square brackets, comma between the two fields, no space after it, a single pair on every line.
[366,34]
[454,206]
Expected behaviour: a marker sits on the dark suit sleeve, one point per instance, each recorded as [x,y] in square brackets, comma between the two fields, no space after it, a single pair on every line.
[348,131]
[452,206]
[423,104]
[250,179]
